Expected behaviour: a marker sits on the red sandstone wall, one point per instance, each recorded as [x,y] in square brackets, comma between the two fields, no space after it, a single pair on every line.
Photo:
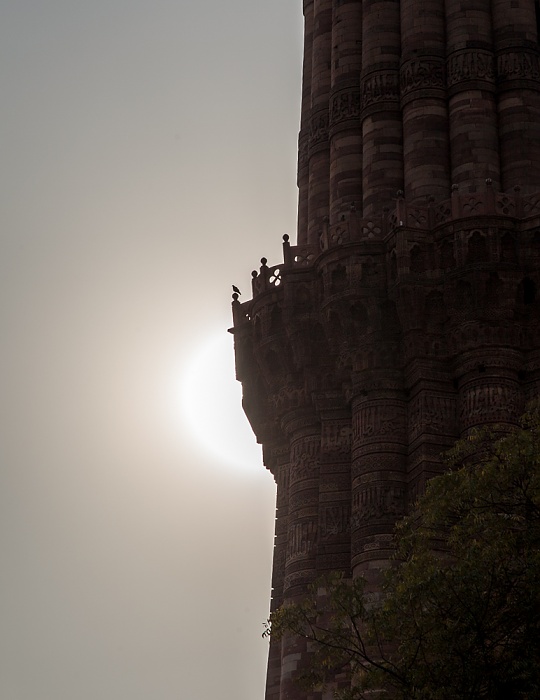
[415,97]
[409,311]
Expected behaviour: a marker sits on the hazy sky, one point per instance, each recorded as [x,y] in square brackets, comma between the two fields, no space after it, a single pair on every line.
[148,155]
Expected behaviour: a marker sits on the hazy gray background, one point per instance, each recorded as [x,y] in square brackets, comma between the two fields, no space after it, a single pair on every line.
[147,162]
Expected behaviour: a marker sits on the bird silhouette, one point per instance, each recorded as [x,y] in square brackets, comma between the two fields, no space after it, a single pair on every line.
[235,289]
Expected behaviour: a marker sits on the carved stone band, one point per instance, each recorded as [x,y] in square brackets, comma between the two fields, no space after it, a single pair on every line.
[380,86]
[471,66]
[303,149]
[318,131]
[344,106]
[518,65]
[427,73]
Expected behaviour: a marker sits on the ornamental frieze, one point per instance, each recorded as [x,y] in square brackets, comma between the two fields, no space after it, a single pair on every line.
[303,149]
[470,65]
[335,437]
[432,414]
[282,478]
[288,398]
[318,128]
[302,579]
[302,537]
[381,86]
[514,65]
[304,459]
[336,520]
[483,404]
[374,502]
[421,73]
[344,106]
[371,422]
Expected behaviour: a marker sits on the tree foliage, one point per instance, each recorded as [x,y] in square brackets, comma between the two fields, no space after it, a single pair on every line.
[459,614]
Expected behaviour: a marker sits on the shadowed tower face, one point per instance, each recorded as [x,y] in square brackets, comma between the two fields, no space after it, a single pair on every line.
[408,311]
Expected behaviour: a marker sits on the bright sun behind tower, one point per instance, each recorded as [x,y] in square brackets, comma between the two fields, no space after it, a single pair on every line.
[211,404]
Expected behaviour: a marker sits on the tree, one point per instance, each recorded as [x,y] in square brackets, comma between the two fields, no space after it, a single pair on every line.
[459,615]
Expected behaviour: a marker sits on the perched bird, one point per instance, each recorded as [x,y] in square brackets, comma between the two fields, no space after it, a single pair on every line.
[235,289]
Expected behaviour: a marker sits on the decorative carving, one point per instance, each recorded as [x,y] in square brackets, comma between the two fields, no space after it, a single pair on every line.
[288,398]
[531,204]
[429,413]
[303,149]
[318,128]
[482,404]
[304,459]
[297,578]
[335,520]
[282,478]
[505,205]
[473,205]
[371,229]
[522,64]
[376,501]
[421,73]
[274,276]
[344,106]
[381,86]
[302,538]
[279,559]
[304,256]
[470,65]
[475,335]
[335,437]
[303,501]
[339,234]
[417,217]
[443,212]
[373,421]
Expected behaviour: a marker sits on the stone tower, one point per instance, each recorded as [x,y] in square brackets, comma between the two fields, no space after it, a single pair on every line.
[408,311]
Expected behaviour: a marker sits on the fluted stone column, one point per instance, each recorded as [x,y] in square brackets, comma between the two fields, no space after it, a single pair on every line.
[379,454]
[303,137]
[474,146]
[431,422]
[489,389]
[518,101]
[334,538]
[382,165]
[280,458]
[426,148]
[319,147]
[345,105]
[302,533]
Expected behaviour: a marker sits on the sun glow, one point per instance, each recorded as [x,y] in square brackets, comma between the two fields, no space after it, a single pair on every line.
[211,405]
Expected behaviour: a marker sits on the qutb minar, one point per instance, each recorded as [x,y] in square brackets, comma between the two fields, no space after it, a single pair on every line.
[408,311]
